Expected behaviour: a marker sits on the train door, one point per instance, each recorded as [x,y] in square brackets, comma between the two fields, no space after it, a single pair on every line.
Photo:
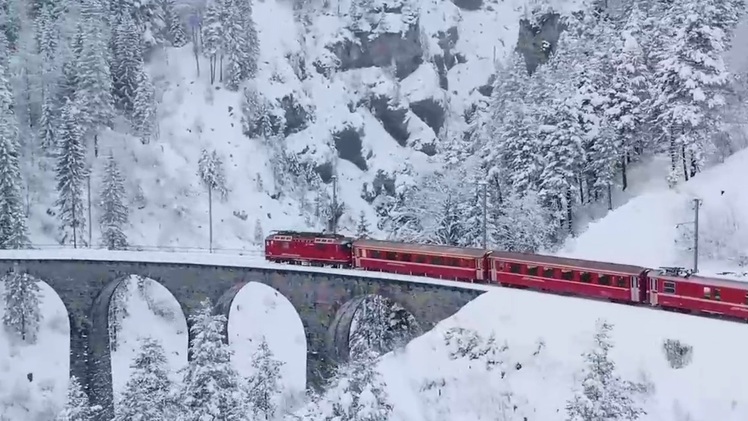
[479,269]
[653,291]
[635,289]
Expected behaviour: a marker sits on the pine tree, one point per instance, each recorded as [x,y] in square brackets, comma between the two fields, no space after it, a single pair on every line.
[213,34]
[144,108]
[211,387]
[381,326]
[77,406]
[362,394]
[259,235]
[450,229]
[71,174]
[13,230]
[362,228]
[117,313]
[94,84]
[127,63]
[211,172]
[147,394]
[264,385]
[250,49]
[114,212]
[173,27]
[604,396]
[22,306]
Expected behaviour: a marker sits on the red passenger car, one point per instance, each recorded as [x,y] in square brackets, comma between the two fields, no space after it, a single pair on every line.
[443,262]
[309,248]
[577,277]
[698,294]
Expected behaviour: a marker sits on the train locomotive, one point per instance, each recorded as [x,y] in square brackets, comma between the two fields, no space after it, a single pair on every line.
[664,288]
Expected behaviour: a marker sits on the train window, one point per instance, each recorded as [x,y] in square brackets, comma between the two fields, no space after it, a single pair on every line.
[603,279]
[717,295]
[420,258]
[456,262]
[406,257]
[567,274]
[549,272]
[621,282]
[585,277]
[515,268]
[707,293]
[669,288]
[532,270]
[374,254]
[436,260]
[391,255]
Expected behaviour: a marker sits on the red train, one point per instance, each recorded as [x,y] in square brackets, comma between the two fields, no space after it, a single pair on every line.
[664,288]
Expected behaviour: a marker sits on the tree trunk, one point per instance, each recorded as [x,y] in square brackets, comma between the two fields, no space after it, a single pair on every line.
[569,213]
[610,197]
[210,218]
[684,162]
[624,176]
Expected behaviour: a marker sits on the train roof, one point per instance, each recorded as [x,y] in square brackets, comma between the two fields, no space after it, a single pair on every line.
[309,234]
[433,249]
[702,280]
[558,261]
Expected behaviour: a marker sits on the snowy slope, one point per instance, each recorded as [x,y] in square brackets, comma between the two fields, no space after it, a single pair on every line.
[425,384]
[644,231]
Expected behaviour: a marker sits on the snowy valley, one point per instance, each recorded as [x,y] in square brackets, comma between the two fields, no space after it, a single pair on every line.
[407,113]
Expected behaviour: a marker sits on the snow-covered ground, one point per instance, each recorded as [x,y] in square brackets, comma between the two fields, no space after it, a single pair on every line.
[707,389]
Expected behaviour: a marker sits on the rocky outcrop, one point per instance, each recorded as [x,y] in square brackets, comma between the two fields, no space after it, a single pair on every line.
[394,118]
[383,183]
[381,50]
[430,111]
[349,146]
[297,117]
[468,4]
[537,40]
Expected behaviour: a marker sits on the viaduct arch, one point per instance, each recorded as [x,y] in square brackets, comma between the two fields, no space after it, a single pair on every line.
[325,303]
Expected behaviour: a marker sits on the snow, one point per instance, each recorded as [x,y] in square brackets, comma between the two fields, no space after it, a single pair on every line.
[705,388]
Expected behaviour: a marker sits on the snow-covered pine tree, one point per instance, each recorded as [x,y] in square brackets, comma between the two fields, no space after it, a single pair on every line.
[94,87]
[171,30]
[71,174]
[521,223]
[22,299]
[211,388]
[144,108]
[687,90]
[127,63]
[603,395]
[49,40]
[13,229]
[213,34]
[114,212]
[77,406]
[450,228]
[211,172]
[148,392]
[259,235]
[251,47]
[264,387]
[362,227]
[380,327]
[362,394]
[628,91]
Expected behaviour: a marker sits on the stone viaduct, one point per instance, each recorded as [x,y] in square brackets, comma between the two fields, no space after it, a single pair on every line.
[325,303]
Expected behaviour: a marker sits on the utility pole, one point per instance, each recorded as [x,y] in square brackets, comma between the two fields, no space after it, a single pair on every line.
[695,222]
[696,205]
[334,204]
[210,218]
[484,185]
[90,222]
